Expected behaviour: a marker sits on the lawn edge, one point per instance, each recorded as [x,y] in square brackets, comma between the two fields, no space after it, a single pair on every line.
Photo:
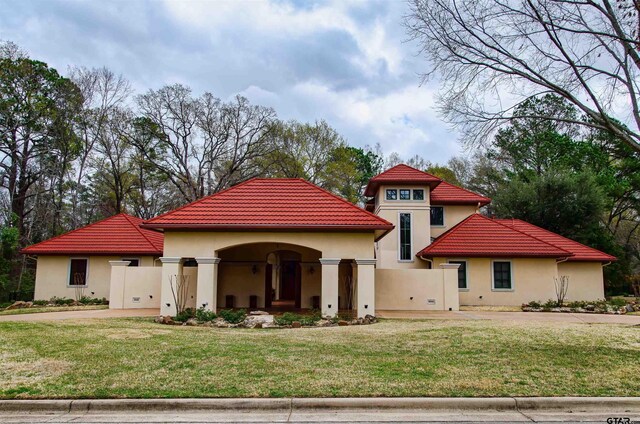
[568,404]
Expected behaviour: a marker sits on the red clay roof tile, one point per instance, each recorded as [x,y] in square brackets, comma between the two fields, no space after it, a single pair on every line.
[581,253]
[401,174]
[273,203]
[479,236]
[448,194]
[117,235]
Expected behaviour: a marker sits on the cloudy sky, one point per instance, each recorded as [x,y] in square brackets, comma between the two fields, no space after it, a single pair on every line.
[347,62]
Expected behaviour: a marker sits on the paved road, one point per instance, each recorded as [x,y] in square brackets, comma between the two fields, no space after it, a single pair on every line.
[326,416]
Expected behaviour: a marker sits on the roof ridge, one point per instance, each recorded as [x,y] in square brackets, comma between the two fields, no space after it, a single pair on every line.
[556,235]
[137,227]
[408,166]
[344,201]
[72,231]
[529,235]
[461,188]
[198,201]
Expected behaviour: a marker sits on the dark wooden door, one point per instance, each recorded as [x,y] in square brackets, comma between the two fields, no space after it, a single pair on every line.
[288,280]
[268,285]
[298,287]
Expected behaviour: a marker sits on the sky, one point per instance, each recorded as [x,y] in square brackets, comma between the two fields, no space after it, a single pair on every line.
[345,61]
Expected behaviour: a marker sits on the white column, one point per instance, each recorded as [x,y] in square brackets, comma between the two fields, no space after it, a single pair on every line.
[329,293]
[207,289]
[366,287]
[171,267]
[117,284]
[450,292]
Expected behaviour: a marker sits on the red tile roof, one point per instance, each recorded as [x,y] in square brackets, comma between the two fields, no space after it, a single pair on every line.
[401,174]
[118,235]
[449,194]
[479,236]
[580,251]
[272,203]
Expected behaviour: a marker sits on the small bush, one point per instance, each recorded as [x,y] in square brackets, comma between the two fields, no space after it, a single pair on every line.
[550,304]
[5,304]
[204,315]
[535,304]
[40,302]
[289,317]
[233,316]
[185,315]
[61,301]
[617,302]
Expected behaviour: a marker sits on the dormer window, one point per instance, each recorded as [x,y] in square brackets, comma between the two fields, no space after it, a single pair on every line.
[392,194]
[418,194]
[405,194]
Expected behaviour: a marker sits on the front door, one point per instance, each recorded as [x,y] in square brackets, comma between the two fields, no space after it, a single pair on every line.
[290,285]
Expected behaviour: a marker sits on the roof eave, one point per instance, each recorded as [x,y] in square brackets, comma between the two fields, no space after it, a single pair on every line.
[193,226]
[490,255]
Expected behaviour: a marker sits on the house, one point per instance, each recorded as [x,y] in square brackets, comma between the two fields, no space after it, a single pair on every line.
[420,244]
[78,262]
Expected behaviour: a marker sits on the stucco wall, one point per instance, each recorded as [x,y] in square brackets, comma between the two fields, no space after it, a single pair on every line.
[208,243]
[52,274]
[453,214]
[416,289]
[585,280]
[533,279]
[387,251]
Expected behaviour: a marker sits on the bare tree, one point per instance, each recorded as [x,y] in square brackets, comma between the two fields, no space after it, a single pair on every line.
[562,286]
[491,54]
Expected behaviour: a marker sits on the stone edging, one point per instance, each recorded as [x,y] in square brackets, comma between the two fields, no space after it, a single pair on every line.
[573,404]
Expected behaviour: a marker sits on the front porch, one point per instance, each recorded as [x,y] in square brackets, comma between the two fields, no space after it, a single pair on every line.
[277,277]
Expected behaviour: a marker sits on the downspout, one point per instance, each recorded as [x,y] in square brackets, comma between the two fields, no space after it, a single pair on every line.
[606,264]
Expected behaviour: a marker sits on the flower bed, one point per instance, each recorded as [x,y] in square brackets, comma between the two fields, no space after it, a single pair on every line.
[238,318]
[615,306]
[54,302]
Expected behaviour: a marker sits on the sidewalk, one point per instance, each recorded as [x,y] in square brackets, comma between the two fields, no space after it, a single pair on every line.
[322,410]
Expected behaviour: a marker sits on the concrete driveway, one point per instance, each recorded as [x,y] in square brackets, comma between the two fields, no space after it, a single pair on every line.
[89,314]
[515,316]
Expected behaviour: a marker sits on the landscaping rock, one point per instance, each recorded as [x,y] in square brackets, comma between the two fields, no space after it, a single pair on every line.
[590,308]
[324,323]
[296,324]
[18,305]
[371,318]
[259,313]
[342,323]
[629,308]
[192,322]
[168,320]
[258,325]
[220,323]
[252,320]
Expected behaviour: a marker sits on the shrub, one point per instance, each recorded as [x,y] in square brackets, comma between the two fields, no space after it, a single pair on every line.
[61,301]
[535,304]
[289,317]
[185,315]
[40,302]
[204,315]
[617,302]
[233,316]
[5,304]
[549,304]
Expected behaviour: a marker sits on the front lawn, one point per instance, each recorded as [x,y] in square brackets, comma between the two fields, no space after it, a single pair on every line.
[137,358]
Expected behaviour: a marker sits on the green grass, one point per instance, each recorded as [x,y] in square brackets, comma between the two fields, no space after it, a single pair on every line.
[136,358]
[36,310]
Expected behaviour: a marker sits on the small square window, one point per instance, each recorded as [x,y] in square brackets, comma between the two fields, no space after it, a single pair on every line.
[392,194]
[418,194]
[405,194]
[437,215]
[502,276]
[78,272]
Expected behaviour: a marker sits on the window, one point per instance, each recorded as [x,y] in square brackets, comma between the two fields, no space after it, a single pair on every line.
[132,261]
[392,194]
[437,215]
[405,194]
[78,272]
[418,194]
[462,274]
[502,275]
[405,237]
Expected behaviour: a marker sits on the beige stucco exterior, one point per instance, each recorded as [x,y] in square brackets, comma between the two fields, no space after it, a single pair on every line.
[453,215]
[417,289]
[52,276]
[586,280]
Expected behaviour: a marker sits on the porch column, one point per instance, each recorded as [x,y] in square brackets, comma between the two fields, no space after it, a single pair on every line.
[366,290]
[207,289]
[117,283]
[329,293]
[171,267]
